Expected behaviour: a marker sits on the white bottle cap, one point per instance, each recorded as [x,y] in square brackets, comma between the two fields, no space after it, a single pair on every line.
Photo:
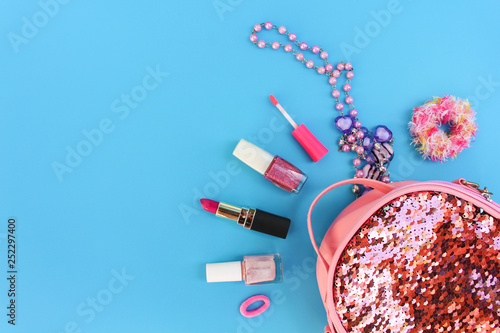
[224,272]
[255,157]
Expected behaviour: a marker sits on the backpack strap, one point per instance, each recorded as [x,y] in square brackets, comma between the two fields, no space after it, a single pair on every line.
[375,184]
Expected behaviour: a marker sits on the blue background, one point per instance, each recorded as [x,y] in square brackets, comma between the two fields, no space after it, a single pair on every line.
[130,206]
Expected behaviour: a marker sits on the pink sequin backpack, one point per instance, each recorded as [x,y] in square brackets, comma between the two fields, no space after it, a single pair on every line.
[412,257]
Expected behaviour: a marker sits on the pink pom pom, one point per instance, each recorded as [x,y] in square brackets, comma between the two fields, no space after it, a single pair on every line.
[434,143]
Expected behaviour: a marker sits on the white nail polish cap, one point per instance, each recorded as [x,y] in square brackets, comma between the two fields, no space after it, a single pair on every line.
[253,156]
[224,272]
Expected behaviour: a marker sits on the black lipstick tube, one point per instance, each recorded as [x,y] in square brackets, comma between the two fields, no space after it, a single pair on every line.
[255,219]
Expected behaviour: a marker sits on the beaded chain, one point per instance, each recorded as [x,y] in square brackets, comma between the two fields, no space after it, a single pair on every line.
[374,147]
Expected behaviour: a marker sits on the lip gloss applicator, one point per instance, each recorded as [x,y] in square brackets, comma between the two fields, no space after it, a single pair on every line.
[307,140]
[249,218]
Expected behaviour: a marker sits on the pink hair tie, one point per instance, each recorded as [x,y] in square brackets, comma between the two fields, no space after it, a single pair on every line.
[434,143]
[244,306]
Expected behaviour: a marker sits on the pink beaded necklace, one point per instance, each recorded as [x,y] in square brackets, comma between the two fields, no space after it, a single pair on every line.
[373,147]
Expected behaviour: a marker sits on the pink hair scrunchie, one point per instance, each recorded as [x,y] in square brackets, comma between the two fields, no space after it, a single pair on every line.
[244,306]
[434,143]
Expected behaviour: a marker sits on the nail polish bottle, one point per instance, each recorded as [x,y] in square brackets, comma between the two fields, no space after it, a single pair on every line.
[274,168]
[253,270]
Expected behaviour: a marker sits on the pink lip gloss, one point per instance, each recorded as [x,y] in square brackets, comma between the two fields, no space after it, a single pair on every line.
[261,269]
[314,148]
[274,168]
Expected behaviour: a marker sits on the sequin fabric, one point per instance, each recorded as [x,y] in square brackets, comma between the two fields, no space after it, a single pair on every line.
[425,262]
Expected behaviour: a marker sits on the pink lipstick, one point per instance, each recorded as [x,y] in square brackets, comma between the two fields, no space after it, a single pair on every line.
[249,218]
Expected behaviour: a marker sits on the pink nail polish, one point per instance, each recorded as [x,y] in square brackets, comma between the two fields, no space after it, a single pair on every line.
[253,270]
[274,168]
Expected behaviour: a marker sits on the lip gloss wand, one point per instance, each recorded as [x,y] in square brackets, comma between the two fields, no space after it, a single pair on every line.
[307,140]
